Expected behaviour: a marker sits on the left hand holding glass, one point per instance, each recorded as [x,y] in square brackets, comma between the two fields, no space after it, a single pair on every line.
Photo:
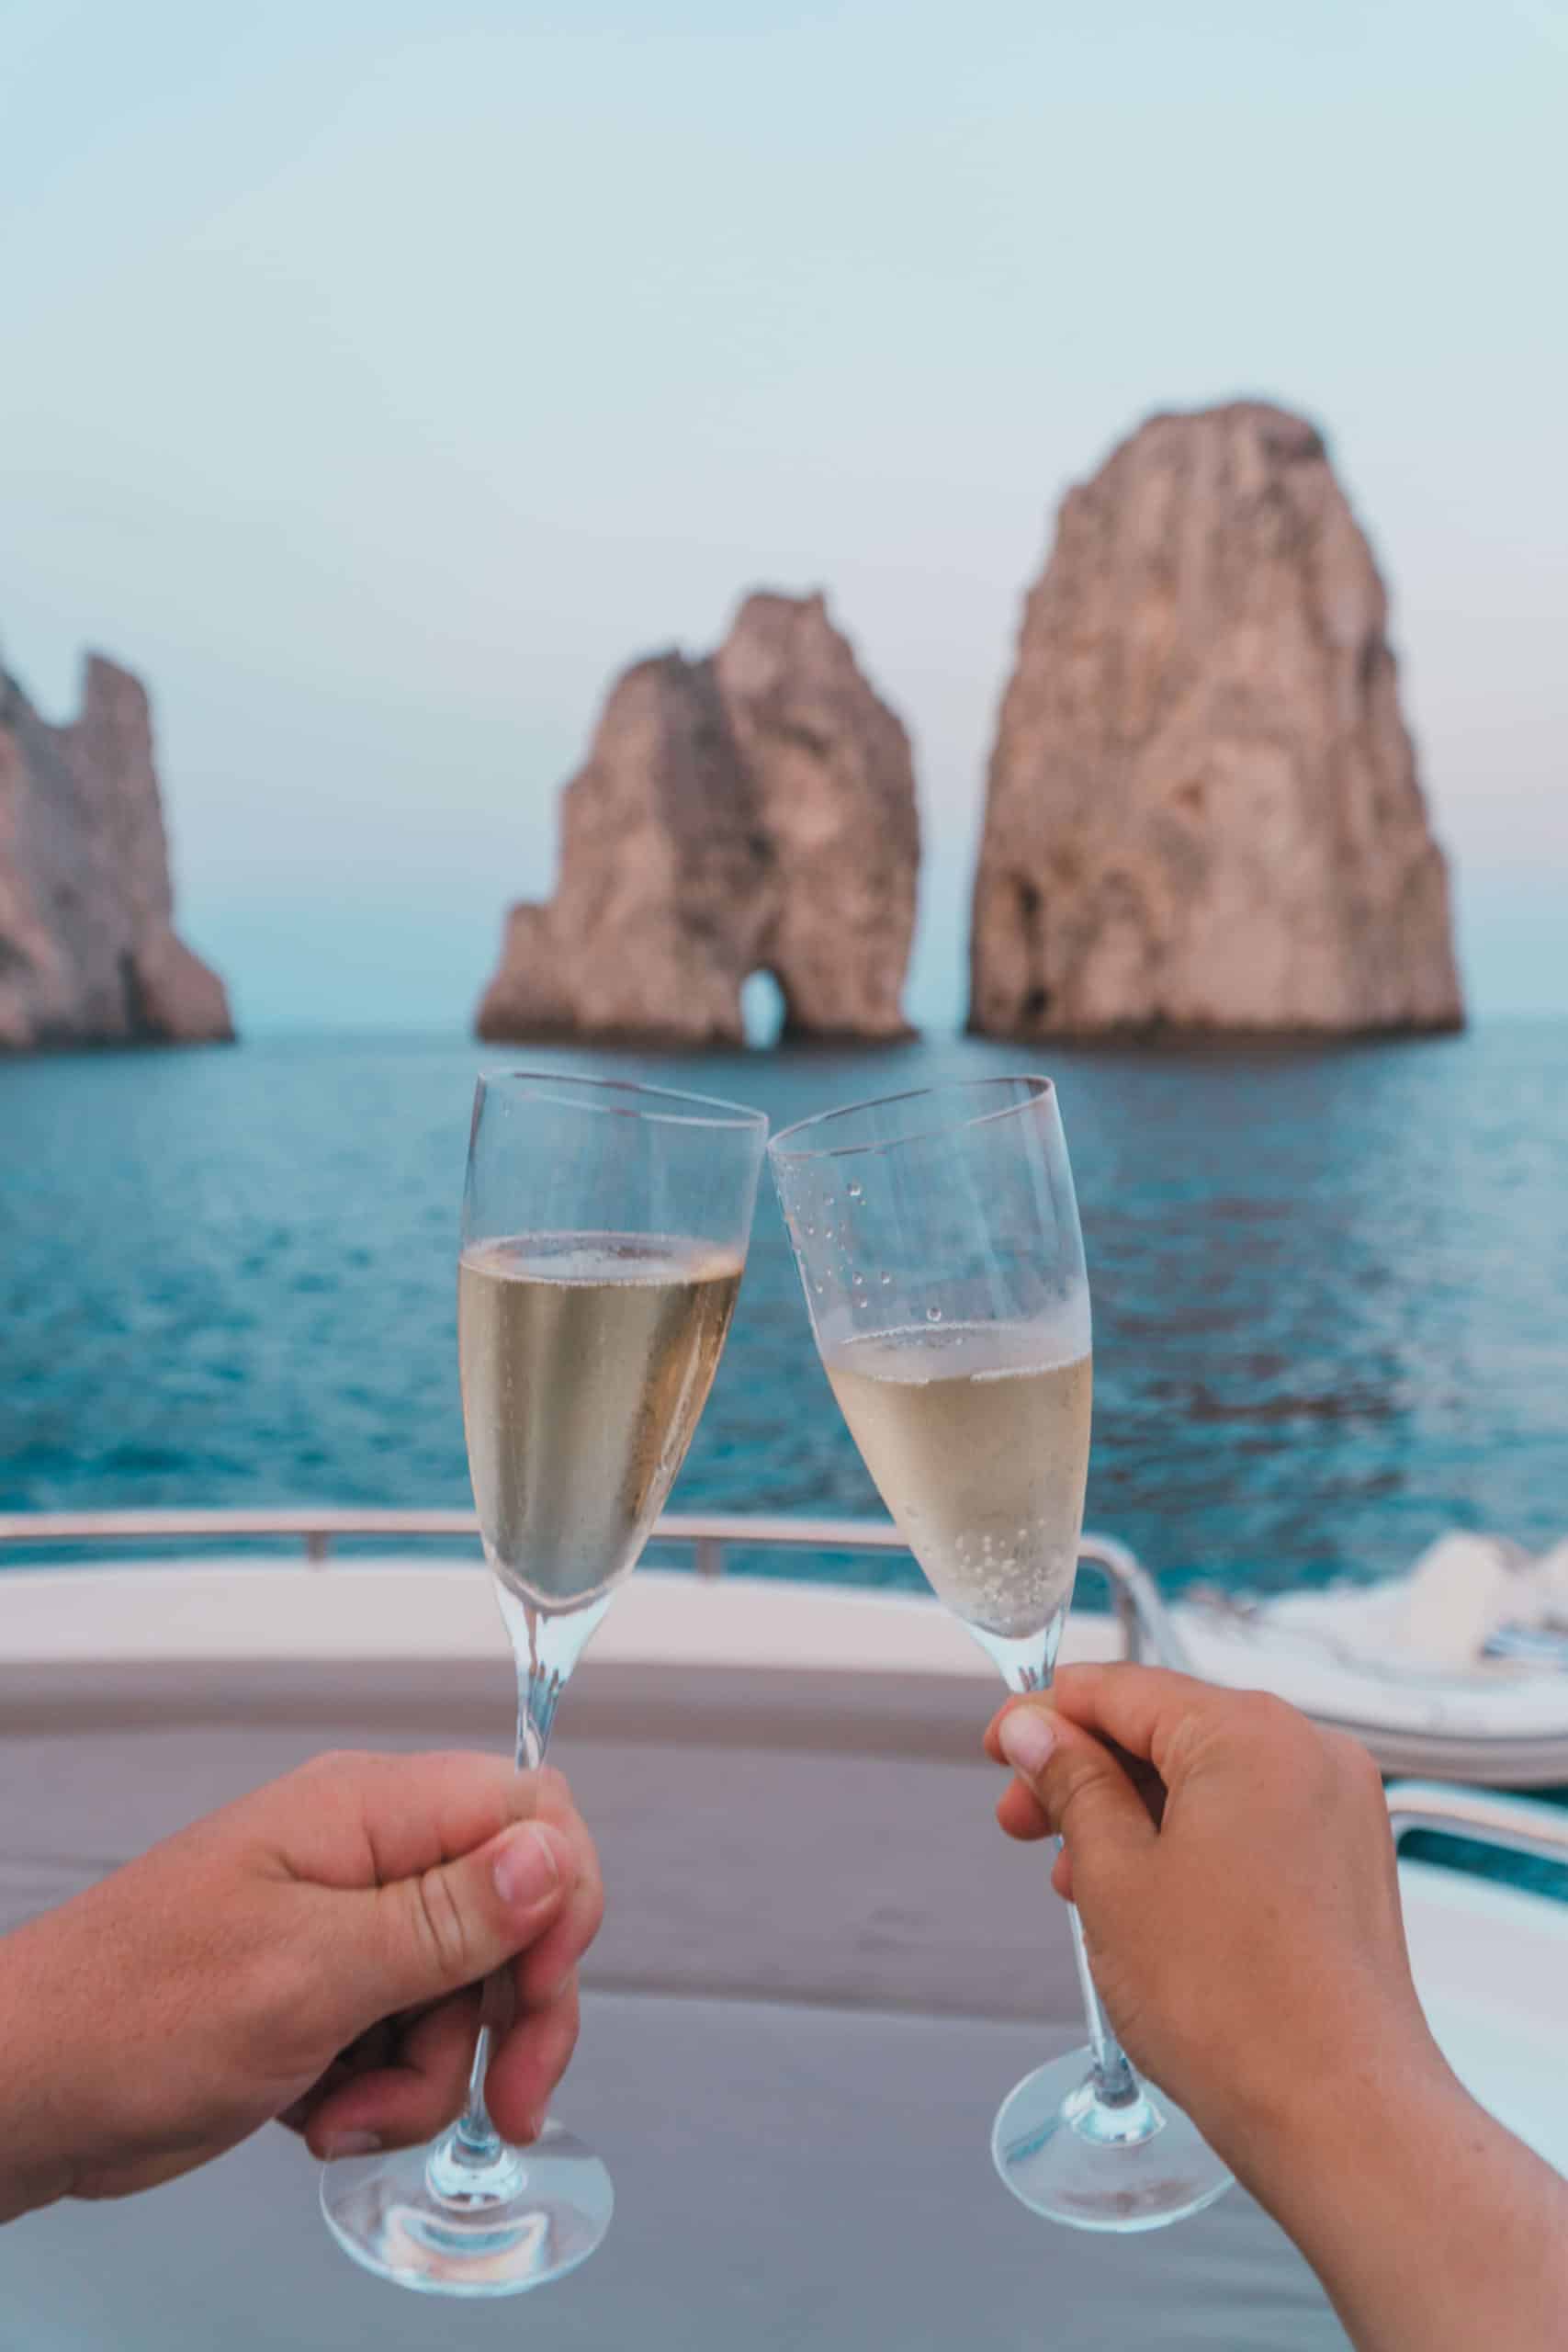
[313,1953]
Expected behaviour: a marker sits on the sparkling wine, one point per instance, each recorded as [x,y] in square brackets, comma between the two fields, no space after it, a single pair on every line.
[586,1359]
[977,1436]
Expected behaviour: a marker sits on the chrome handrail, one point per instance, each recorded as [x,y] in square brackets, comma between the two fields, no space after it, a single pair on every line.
[1522,1825]
[317,1527]
[1146,1622]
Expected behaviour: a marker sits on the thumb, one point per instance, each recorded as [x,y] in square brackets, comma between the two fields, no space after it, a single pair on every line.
[1086,1796]
[450,1926]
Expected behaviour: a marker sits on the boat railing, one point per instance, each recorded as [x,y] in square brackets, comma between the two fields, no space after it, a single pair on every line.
[709,1536]
[1485,1816]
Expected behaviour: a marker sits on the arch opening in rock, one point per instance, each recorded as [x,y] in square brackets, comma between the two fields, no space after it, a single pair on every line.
[764,1009]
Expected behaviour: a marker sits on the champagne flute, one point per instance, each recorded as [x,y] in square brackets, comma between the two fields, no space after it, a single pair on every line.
[937,1237]
[604,1231]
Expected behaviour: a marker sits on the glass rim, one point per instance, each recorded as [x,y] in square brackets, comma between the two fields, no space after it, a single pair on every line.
[1041,1089]
[735,1116]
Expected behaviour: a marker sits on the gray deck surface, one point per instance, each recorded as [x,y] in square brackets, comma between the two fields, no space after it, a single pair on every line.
[821,1970]
[784,2177]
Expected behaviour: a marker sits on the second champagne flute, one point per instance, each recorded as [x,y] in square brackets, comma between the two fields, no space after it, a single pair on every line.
[604,1231]
[937,1237]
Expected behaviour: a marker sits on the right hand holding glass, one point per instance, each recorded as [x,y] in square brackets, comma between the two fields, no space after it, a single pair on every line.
[1235,1871]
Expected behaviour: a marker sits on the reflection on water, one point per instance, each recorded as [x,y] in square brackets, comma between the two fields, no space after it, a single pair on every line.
[1331,1288]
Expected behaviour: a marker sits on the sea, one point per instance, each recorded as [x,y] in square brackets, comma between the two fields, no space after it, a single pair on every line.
[1330,1288]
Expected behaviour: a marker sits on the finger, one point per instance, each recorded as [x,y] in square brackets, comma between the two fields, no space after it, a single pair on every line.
[989,1741]
[367,2055]
[1084,1793]
[365,1821]
[1021,1813]
[297,2117]
[528,2063]
[1021,1818]
[1139,1708]
[399,2105]
[448,1926]
[541,1972]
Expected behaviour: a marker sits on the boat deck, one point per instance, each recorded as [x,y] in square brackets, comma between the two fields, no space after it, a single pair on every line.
[820,1971]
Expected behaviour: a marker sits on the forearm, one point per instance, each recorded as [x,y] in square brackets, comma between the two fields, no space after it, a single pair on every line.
[35,2166]
[1431,2227]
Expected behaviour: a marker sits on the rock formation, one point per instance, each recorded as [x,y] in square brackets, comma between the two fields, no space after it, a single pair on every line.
[1203,811]
[88,955]
[752,812]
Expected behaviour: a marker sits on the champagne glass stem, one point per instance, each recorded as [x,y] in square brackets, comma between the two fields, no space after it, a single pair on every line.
[476,2140]
[544,1646]
[1115,2085]
[1111,2078]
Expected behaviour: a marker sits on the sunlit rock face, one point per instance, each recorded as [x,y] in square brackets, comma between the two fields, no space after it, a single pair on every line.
[1203,811]
[750,811]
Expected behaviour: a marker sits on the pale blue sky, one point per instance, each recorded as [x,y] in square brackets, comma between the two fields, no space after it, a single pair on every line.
[377,377]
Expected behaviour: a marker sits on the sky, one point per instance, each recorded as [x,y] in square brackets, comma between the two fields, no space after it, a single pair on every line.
[378,378]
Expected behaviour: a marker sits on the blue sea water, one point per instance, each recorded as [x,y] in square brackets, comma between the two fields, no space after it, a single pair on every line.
[1331,1288]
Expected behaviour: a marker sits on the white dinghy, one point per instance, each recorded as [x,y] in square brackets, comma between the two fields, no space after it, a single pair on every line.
[1459,1669]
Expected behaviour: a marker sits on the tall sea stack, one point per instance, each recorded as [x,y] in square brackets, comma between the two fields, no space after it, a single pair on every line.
[88,952]
[750,811]
[1202,811]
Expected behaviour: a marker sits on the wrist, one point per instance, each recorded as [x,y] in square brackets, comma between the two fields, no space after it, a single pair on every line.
[1414,2206]
[1307,2142]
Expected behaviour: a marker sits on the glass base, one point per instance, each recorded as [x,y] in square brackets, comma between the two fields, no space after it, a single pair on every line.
[422,2220]
[1076,2159]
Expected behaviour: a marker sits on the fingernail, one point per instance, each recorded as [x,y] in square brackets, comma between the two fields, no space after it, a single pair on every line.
[526,1870]
[1026,1739]
[351,2143]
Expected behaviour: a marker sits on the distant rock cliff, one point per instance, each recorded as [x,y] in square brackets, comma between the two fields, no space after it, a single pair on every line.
[752,812]
[1204,811]
[88,955]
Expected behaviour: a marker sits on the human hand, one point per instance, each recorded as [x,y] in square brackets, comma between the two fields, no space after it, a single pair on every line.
[314,1952]
[1235,1871]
